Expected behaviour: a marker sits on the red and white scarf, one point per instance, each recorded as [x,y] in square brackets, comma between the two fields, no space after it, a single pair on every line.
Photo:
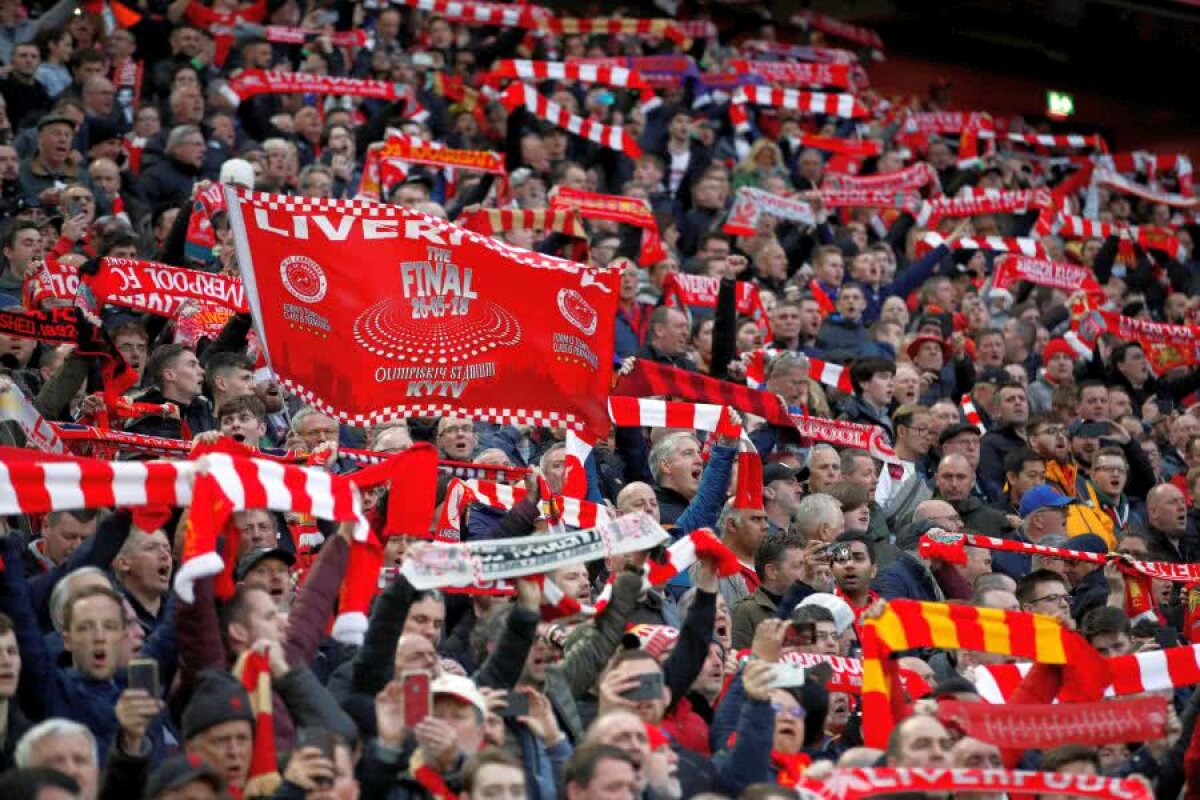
[908,179]
[998,244]
[973,202]
[1147,236]
[477,12]
[611,136]
[841,433]
[1044,272]
[870,198]
[1103,176]
[285,35]
[684,290]
[785,73]
[971,414]
[498,220]
[140,285]
[1152,671]
[644,412]
[1072,141]
[16,407]
[1038,726]
[751,203]
[1150,164]
[605,75]
[613,26]
[251,82]
[846,106]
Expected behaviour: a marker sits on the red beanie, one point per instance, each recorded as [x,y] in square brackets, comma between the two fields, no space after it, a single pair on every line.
[1055,347]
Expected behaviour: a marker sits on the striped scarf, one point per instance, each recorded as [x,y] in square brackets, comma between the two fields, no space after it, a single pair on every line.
[603,74]
[647,413]
[499,220]
[997,244]
[612,26]
[611,136]
[908,624]
[846,106]
[650,378]
[1134,674]
[253,671]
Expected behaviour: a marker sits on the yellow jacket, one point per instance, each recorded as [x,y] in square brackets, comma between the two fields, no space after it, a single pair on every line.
[1086,515]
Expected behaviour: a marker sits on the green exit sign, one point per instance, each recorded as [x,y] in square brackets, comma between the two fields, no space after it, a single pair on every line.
[1060,104]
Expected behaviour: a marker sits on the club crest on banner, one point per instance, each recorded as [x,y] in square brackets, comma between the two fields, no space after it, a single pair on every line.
[576,311]
[304,278]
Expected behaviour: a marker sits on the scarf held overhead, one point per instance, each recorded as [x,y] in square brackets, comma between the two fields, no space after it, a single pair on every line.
[908,624]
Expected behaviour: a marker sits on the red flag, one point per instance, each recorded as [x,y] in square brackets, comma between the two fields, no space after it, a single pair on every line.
[375,312]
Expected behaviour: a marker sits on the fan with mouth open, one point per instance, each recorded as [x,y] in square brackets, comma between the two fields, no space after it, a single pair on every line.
[389,329]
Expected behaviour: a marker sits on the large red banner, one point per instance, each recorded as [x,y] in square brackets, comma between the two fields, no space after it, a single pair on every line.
[374,312]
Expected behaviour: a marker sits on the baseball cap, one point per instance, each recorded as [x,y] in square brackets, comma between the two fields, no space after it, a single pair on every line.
[51,119]
[1043,496]
[992,375]
[1087,543]
[778,472]
[843,615]
[955,429]
[256,557]
[461,688]
[178,772]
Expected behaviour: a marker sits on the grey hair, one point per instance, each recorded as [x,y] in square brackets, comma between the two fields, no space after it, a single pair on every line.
[1052,540]
[55,726]
[62,590]
[305,413]
[664,448]
[814,511]
[820,448]
[175,137]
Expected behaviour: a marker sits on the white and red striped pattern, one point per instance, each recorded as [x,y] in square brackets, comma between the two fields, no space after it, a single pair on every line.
[576,513]
[838,104]
[830,374]
[644,412]
[1154,671]
[1151,164]
[606,75]
[1074,141]
[971,202]
[1070,226]
[528,70]
[481,13]
[611,136]
[32,486]
[613,26]
[16,407]
[971,414]
[998,244]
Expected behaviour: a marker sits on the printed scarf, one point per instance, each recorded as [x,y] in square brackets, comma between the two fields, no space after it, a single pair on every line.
[908,624]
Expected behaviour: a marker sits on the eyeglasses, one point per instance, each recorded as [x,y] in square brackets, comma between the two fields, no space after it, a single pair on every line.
[1060,599]
[795,712]
[458,429]
[1112,468]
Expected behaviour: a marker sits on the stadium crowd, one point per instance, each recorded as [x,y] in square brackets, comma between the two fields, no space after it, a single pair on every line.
[998,420]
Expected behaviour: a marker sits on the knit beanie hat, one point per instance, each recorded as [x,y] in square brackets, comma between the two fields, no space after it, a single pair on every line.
[217,699]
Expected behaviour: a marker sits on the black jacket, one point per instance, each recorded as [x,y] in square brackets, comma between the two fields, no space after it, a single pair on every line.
[198,415]
[855,409]
[841,340]
[670,504]
[995,445]
[168,182]
[1184,550]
